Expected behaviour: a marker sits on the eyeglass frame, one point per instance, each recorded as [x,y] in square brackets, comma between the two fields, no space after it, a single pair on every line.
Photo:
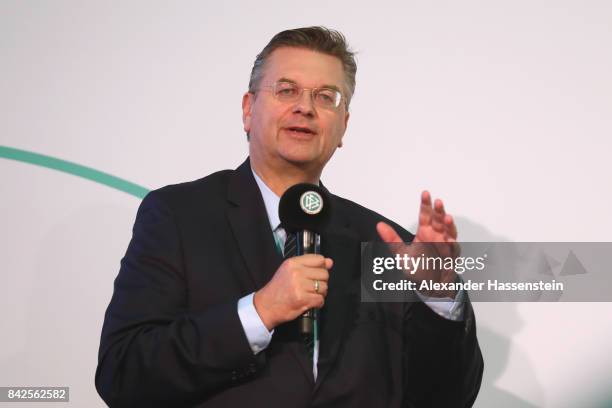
[301,91]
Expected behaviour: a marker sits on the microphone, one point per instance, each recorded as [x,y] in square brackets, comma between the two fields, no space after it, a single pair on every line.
[304,210]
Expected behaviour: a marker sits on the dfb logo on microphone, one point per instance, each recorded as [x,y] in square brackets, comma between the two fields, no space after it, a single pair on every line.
[311,202]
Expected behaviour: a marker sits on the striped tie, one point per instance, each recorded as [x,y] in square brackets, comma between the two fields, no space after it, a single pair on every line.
[290,246]
[290,251]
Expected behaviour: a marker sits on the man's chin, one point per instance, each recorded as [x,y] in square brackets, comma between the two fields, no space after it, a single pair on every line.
[302,160]
[300,155]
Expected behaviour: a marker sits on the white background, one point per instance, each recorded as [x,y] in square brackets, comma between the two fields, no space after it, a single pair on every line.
[501,108]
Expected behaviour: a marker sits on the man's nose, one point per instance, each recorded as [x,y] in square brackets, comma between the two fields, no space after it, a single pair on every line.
[305,104]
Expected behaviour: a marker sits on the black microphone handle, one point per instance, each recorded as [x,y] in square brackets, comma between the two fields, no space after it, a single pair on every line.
[307,242]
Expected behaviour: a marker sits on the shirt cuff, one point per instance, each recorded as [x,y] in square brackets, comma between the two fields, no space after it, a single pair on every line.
[451,309]
[256,332]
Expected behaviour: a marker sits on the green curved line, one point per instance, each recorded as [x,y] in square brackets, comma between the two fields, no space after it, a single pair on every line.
[74,169]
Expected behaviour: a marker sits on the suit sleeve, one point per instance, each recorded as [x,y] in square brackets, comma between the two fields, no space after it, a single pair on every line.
[154,351]
[442,361]
[443,364]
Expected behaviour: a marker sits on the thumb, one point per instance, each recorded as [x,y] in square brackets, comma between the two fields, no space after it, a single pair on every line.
[387,233]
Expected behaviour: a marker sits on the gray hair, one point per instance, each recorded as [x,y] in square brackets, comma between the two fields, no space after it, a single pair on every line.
[320,39]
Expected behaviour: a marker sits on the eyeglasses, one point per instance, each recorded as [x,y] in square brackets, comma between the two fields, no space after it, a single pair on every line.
[326,98]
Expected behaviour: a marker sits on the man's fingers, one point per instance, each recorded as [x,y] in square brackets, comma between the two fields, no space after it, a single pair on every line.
[387,233]
[437,221]
[426,198]
[439,207]
[309,286]
[316,274]
[425,210]
[451,228]
[316,301]
[311,301]
[312,260]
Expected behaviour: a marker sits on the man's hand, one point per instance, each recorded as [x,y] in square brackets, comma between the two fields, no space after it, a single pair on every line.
[436,236]
[291,291]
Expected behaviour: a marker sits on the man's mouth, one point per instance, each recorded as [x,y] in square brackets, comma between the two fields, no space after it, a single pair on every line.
[301,130]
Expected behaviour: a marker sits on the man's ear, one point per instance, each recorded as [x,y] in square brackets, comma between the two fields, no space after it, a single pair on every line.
[346,118]
[247,105]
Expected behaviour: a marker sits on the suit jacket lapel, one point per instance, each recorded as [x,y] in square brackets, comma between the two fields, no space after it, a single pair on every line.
[249,222]
[248,219]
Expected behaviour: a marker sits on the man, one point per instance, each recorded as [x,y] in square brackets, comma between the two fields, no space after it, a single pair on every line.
[204,308]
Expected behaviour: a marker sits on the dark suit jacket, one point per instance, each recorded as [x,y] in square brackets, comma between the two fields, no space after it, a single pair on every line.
[172,336]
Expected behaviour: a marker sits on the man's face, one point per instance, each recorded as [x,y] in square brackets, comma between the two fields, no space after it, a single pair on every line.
[272,123]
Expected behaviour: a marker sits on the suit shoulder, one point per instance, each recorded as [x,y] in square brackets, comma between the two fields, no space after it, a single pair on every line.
[358,215]
[192,193]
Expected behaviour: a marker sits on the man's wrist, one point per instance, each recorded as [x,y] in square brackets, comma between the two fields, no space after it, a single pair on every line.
[257,333]
[262,311]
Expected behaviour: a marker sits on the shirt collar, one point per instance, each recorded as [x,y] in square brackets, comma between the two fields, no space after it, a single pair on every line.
[271,201]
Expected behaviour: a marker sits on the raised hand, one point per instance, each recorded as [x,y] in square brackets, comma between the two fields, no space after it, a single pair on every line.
[436,236]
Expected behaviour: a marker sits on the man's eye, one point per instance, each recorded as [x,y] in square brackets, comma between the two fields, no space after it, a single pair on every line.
[286,91]
[327,96]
